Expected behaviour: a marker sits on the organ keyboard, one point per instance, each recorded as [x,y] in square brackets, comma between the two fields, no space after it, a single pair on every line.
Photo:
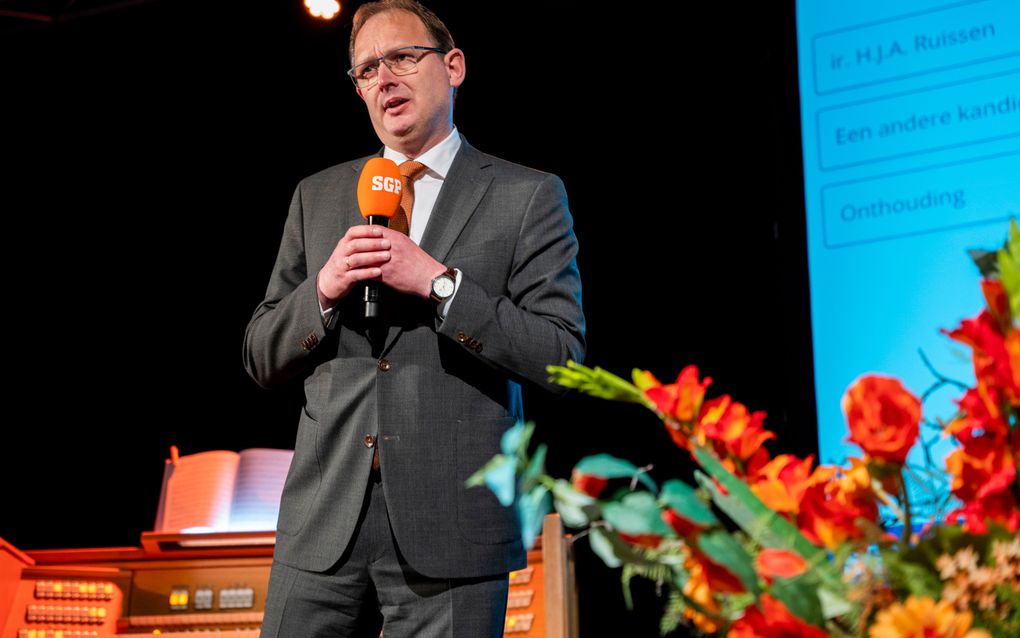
[175,585]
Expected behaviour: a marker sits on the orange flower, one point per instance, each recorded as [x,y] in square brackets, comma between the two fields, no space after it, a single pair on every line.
[782,563]
[884,417]
[922,617]
[680,400]
[705,579]
[997,302]
[773,620]
[733,430]
[781,483]
[719,579]
[834,502]
[697,589]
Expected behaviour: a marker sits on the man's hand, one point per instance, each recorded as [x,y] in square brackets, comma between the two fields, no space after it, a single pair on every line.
[356,258]
[374,252]
[409,268]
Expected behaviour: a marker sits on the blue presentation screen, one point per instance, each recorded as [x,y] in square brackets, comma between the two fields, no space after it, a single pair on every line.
[910,113]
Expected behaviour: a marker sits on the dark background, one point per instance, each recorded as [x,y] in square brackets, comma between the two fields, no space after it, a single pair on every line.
[149,155]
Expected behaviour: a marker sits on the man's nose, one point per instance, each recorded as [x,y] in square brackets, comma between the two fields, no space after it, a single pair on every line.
[384,76]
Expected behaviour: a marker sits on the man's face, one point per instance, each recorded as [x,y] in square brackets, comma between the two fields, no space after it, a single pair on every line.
[410,113]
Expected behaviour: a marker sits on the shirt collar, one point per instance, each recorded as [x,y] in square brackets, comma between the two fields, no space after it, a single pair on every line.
[438,159]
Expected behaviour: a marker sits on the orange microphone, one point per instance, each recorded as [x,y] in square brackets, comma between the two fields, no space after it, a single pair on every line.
[379,199]
[379,190]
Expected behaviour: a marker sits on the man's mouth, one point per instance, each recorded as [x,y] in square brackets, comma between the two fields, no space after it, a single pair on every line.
[394,103]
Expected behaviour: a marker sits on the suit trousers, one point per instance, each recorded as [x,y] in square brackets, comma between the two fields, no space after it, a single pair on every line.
[372,589]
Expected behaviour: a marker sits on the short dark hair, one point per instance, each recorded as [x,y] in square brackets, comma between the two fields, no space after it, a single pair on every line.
[437,31]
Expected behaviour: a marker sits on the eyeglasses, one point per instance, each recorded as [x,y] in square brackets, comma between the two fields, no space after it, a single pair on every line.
[402,61]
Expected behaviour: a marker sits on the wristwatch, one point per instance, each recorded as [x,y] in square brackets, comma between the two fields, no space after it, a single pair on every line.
[444,285]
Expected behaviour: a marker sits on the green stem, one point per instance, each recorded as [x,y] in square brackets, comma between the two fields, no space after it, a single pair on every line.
[905,499]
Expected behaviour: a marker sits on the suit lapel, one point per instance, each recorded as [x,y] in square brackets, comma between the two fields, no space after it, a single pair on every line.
[462,190]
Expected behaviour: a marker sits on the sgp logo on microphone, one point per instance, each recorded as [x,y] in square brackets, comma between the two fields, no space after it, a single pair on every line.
[388,184]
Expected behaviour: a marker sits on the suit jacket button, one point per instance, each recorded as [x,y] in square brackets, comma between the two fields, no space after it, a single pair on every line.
[384,365]
[461,337]
[478,347]
[369,441]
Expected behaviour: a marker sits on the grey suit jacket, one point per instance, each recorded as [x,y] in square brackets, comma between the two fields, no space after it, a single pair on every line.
[436,394]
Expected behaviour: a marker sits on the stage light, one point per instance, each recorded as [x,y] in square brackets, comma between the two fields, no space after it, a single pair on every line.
[325,9]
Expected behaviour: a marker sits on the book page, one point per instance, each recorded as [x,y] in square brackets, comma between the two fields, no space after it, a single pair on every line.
[199,492]
[261,473]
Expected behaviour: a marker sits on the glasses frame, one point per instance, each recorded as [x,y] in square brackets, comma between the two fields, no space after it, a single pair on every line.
[425,51]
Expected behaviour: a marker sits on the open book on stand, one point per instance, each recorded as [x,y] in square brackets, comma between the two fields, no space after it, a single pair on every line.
[222,491]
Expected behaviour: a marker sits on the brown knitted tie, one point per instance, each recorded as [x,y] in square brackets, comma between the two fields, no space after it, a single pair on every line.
[410,170]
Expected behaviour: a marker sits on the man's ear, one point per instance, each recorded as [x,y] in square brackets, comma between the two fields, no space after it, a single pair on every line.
[456,68]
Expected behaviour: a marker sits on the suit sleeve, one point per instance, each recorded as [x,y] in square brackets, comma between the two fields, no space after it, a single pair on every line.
[539,321]
[287,325]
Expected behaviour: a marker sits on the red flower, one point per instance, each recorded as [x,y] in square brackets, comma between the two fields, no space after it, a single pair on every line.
[680,400]
[719,578]
[649,540]
[782,563]
[733,431]
[980,416]
[773,620]
[834,502]
[983,472]
[589,484]
[996,353]
[682,526]
[975,515]
[884,417]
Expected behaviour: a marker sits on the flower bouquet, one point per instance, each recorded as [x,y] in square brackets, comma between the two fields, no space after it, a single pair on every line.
[772,545]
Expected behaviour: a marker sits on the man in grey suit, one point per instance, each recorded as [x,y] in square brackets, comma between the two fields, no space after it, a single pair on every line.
[377,529]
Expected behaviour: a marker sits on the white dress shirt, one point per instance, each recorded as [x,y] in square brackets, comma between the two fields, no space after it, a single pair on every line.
[437,161]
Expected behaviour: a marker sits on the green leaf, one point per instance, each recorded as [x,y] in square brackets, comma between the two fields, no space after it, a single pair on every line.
[636,513]
[493,464]
[603,548]
[608,466]
[536,467]
[515,440]
[502,480]
[800,595]
[762,524]
[723,549]
[571,504]
[673,613]
[659,574]
[682,497]
[912,577]
[596,382]
[1009,268]
[531,510]
[833,605]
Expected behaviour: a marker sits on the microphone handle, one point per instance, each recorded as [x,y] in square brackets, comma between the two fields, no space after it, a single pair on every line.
[373,307]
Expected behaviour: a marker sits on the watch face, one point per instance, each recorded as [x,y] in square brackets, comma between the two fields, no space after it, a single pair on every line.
[443,286]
